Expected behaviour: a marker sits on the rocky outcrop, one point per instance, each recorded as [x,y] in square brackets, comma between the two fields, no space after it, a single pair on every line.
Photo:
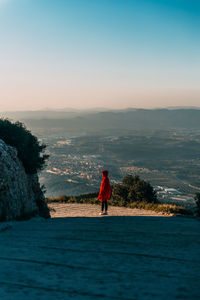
[21,196]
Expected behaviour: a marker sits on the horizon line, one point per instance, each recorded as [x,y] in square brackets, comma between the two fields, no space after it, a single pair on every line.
[71,109]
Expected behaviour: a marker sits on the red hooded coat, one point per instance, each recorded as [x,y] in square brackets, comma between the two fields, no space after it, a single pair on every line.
[105,190]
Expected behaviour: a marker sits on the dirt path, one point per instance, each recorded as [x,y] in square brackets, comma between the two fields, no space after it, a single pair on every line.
[89,210]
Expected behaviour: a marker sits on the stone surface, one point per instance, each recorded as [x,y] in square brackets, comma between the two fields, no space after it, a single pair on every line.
[128,257]
[20,194]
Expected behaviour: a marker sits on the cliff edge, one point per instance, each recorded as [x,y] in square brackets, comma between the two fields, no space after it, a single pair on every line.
[21,196]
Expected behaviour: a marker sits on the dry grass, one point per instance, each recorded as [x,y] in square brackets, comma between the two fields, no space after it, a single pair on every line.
[164,208]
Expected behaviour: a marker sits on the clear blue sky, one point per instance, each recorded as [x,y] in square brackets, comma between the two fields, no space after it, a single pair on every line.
[99,53]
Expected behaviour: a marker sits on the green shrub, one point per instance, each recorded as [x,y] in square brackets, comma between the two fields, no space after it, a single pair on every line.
[30,150]
[133,189]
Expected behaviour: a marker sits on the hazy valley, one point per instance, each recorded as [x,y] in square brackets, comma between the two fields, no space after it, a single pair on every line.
[162,146]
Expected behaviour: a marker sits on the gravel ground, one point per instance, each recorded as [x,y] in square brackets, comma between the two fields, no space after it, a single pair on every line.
[90,210]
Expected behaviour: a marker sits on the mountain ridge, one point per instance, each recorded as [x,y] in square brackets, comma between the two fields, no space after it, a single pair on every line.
[124,119]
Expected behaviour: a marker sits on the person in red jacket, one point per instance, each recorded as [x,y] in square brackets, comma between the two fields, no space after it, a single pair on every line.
[105,192]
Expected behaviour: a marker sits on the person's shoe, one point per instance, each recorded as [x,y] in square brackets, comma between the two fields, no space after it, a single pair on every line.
[101,213]
[104,213]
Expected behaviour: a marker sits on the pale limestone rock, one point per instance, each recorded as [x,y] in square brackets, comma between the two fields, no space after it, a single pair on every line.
[20,194]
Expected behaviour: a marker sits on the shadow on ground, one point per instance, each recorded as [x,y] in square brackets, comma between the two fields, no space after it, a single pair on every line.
[101,258]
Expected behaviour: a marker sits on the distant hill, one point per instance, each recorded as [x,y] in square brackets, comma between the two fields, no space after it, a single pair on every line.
[48,113]
[137,119]
[41,114]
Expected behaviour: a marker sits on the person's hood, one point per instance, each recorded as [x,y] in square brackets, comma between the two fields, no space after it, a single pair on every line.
[105,173]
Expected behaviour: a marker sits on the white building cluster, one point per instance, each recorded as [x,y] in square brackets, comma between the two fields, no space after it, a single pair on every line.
[171,195]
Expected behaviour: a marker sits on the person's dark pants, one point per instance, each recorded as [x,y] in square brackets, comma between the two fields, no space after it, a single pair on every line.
[104,204]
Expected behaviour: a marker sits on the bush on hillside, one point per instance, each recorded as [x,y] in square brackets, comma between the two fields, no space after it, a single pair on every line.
[30,150]
[90,198]
[133,189]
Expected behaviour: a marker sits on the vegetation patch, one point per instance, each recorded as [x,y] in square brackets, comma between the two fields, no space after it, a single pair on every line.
[163,208]
[30,151]
[90,198]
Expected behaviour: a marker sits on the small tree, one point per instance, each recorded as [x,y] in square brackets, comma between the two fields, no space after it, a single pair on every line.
[30,151]
[133,189]
[197,200]
[144,192]
[120,195]
[130,180]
